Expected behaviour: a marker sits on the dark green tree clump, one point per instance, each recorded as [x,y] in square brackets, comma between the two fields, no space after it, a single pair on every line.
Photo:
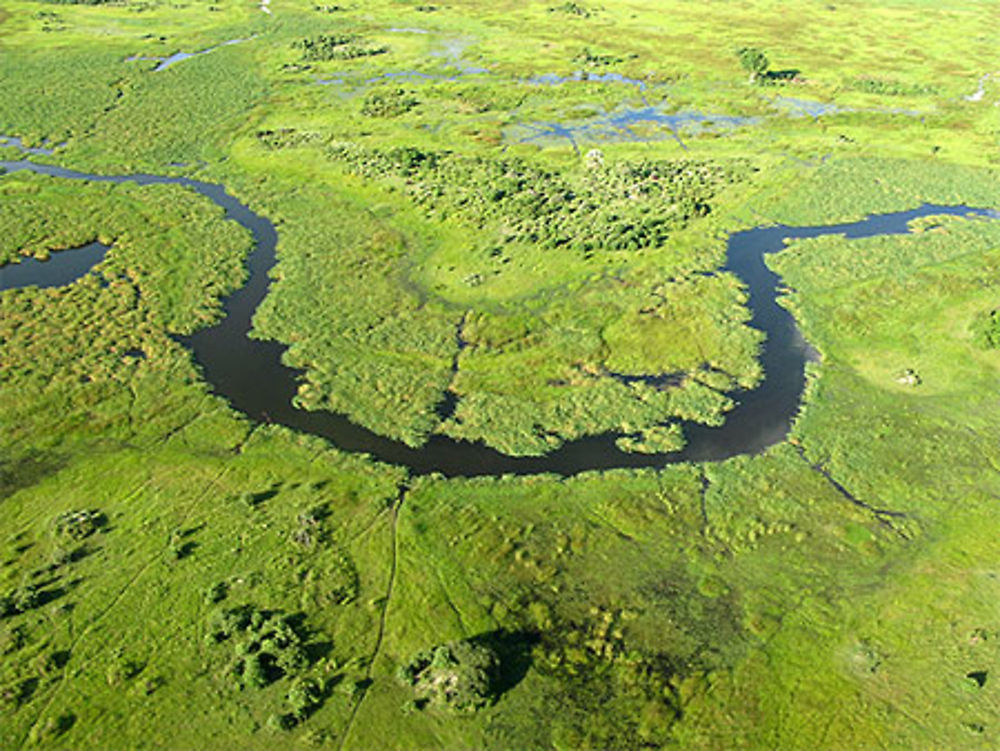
[460,676]
[754,61]
[324,47]
[986,330]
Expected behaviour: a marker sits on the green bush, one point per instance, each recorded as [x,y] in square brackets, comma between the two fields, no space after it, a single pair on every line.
[986,330]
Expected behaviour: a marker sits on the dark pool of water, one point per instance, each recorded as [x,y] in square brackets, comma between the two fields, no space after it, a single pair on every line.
[62,267]
[250,375]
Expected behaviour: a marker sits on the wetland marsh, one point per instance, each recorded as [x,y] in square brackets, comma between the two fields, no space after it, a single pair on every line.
[538,354]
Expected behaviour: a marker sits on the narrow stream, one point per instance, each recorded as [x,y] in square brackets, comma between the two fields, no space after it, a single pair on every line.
[250,375]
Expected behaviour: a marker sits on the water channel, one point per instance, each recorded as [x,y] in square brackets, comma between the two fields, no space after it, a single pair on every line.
[250,375]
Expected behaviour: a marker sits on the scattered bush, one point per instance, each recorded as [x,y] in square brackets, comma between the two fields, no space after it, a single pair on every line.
[15,695]
[889,87]
[591,59]
[303,697]
[21,600]
[280,722]
[122,669]
[178,546]
[283,138]
[44,733]
[217,592]
[614,696]
[572,9]
[12,639]
[986,330]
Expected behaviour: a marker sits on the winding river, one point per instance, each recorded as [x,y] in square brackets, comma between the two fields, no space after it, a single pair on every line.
[250,375]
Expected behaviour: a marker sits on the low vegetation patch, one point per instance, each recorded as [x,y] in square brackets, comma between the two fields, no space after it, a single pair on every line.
[891,87]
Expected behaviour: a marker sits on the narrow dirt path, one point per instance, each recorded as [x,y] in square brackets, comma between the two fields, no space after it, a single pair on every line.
[383,616]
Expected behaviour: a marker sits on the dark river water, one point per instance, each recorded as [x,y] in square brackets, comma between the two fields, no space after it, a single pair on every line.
[250,375]
[63,267]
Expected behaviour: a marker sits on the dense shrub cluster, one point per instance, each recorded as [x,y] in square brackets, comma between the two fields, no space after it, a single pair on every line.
[459,676]
[337,47]
[388,103]
[78,525]
[266,645]
[623,207]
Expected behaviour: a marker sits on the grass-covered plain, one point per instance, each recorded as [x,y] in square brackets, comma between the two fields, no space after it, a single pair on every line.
[173,576]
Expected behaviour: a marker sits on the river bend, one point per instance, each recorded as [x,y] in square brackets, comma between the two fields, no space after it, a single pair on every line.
[250,375]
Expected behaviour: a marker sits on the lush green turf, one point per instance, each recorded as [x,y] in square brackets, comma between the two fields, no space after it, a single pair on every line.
[173,576]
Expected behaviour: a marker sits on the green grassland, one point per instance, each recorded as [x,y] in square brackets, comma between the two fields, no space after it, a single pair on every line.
[174,576]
